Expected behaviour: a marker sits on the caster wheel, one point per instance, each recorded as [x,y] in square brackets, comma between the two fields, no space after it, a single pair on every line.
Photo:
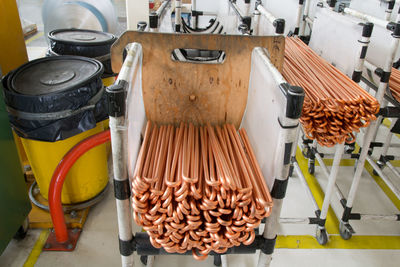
[311,167]
[22,230]
[346,232]
[217,260]
[322,236]
[143,259]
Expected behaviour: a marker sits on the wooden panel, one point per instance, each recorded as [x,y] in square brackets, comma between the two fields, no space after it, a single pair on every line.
[198,93]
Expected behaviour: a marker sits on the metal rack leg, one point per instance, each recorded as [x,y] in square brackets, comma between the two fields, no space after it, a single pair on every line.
[224,260]
[321,234]
[217,260]
[311,160]
[345,229]
[270,234]
[121,179]
[382,162]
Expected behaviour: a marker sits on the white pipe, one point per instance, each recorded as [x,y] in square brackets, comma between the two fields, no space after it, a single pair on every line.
[178,18]
[275,73]
[321,162]
[373,217]
[209,13]
[387,181]
[194,18]
[369,65]
[256,22]
[160,11]
[388,139]
[247,9]
[272,222]
[360,163]
[332,180]
[294,220]
[394,170]
[363,41]
[118,133]
[372,19]
[264,260]
[119,155]
[310,21]
[150,261]
[271,18]
[305,16]
[305,185]
[224,260]
[299,17]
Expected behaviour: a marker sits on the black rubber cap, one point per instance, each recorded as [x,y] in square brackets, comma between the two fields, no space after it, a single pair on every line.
[391,4]
[367,29]
[279,25]
[332,3]
[153,20]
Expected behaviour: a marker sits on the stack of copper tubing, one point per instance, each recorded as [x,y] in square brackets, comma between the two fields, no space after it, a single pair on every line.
[198,188]
[394,84]
[334,105]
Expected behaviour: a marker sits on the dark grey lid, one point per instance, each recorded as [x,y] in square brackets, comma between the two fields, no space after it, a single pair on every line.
[54,74]
[81,37]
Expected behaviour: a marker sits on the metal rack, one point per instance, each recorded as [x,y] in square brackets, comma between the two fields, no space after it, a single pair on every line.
[346,151]
[346,230]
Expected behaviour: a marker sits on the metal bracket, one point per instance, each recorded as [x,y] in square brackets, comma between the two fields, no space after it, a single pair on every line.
[53,245]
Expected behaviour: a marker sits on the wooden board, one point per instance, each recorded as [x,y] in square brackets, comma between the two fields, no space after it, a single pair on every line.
[175,91]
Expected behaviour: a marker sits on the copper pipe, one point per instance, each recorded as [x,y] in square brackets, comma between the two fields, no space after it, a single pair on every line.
[332,98]
[198,188]
[394,84]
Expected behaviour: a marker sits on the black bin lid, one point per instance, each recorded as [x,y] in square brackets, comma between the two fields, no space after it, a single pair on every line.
[54,74]
[81,37]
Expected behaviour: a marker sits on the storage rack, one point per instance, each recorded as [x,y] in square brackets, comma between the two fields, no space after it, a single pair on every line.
[286,110]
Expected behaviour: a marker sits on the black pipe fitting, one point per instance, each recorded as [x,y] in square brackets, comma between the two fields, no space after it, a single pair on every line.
[153,20]
[367,29]
[279,25]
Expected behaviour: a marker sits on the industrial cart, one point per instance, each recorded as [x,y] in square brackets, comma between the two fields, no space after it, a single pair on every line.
[152,86]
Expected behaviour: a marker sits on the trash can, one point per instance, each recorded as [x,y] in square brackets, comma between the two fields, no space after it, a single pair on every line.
[86,43]
[53,103]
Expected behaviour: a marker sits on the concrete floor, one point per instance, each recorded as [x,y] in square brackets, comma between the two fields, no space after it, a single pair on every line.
[98,244]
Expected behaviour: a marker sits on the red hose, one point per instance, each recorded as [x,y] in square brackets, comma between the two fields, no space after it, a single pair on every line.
[57,181]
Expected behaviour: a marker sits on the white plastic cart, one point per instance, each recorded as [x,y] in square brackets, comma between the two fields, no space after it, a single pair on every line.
[246,89]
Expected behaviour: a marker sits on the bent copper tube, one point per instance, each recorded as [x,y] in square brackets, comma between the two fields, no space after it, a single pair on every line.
[331,97]
[190,193]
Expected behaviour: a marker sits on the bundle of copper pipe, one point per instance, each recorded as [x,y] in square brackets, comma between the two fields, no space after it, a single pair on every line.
[394,84]
[334,105]
[198,188]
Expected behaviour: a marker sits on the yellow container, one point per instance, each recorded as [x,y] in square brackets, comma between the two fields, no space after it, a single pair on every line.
[86,179]
[108,81]
[22,154]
